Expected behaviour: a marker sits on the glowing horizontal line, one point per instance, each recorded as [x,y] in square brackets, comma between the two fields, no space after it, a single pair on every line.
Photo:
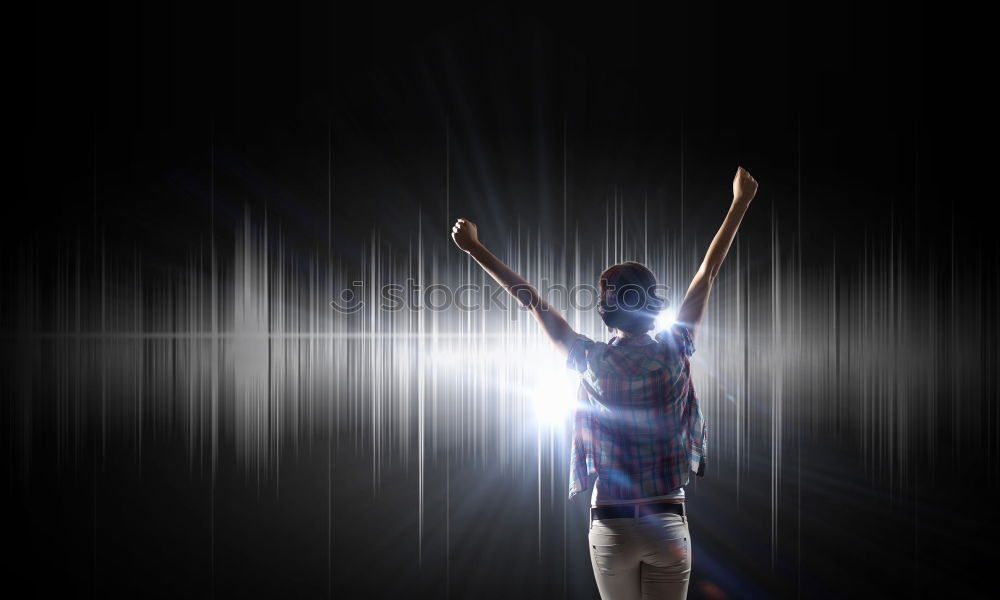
[228,335]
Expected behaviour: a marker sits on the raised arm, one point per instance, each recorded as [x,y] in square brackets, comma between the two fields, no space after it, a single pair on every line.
[466,236]
[696,300]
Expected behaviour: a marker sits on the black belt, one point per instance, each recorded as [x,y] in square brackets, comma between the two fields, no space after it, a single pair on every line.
[628,511]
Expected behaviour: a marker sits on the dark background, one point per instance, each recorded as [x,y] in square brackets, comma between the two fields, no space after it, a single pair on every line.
[126,105]
[153,127]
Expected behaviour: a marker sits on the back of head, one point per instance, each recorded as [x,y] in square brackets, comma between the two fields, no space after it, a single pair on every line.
[628,299]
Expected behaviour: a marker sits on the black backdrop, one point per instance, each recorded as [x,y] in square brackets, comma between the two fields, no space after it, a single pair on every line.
[152,127]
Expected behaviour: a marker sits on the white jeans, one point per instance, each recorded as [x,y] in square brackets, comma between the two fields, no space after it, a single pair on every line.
[648,558]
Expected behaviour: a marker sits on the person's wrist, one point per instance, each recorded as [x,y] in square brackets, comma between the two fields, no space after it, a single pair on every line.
[741,201]
[475,248]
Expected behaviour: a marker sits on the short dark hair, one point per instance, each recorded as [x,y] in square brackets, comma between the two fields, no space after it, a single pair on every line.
[630,288]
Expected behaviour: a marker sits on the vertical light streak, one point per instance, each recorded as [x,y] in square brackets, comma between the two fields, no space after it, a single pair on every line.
[777,378]
[327,383]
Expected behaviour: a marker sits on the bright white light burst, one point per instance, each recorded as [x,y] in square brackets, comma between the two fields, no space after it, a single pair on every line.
[665,319]
[554,394]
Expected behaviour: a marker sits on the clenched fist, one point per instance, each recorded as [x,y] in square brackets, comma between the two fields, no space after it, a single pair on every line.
[744,186]
[465,234]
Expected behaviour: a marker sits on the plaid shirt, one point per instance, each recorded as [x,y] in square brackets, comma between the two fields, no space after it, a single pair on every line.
[637,423]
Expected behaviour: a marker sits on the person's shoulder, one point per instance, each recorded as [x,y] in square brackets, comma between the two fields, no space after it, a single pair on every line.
[679,337]
[583,351]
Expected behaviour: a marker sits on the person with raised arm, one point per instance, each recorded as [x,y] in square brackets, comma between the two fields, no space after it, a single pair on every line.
[638,431]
